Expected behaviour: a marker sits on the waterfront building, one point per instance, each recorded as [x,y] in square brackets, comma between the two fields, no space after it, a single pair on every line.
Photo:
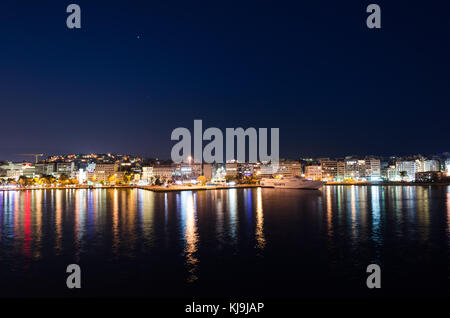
[66,168]
[28,170]
[103,171]
[267,170]
[313,172]
[289,169]
[355,169]
[12,170]
[406,170]
[187,171]
[392,173]
[163,173]
[218,172]
[207,171]
[384,167]
[147,175]
[373,169]
[285,168]
[429,176]
[340,164]
[45,169]
[245,169]
[329,169]
[91,167]
[431,165]
[81,176]
[231,169]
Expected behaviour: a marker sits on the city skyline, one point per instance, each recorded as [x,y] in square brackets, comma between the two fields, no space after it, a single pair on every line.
[123,169]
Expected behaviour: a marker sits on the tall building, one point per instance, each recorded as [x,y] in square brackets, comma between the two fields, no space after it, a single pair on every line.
[406,170]
[392,173]
[163,173]
[355,169]
[313,172]
[267,170]
[103,171]
[289,169]
[431,165]
[147,175]
[187,171]
[66,168]
[340,170]
[45,168]
[245,169]
[207,171]
[373,169]
[231,169]
[329,169]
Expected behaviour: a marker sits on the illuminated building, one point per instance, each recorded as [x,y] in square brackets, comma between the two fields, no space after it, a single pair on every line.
[218,173]
[373,169]
[429,176]
[313,173]
[103,171]
[355,169]
[207,171]
[12,170]
[231,169]
[392,173]
[340,170]
[65,168]
[163,173]
[406,170]
[147,175]
[289,169]
[81,176]
[329,169]
[267,170]
[427,165]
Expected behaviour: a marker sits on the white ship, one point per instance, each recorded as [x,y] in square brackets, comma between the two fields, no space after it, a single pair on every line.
[291,183]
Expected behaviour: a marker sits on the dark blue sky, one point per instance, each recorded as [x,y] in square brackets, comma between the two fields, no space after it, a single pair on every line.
[312,68]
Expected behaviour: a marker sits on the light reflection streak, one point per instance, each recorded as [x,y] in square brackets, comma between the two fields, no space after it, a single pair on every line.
[115,222]
[353,210]
[147,207]
[376,218]
[80,220]
[188,212]
[329,212]
[58,221]
[17,233]
[37,203]
[166,215]
[424,212]
[130,222]
[220,217]
[260,239]
[2,214]
[27,227]
[232,205]
[448,214]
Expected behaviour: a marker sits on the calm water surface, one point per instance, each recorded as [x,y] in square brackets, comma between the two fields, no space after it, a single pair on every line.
[238,242]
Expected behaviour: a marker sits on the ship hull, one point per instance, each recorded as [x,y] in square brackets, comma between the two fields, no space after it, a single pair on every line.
[292,184]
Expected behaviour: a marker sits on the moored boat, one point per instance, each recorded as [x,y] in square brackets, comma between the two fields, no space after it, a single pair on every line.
[291,183]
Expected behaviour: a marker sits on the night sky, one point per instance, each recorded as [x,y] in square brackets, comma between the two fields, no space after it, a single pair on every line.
[137,70]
